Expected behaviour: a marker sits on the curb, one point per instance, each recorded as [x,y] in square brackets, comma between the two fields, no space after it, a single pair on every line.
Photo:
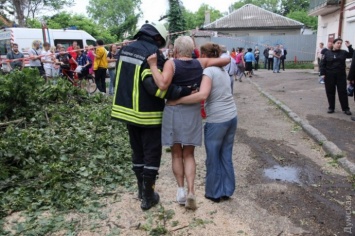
[328,146]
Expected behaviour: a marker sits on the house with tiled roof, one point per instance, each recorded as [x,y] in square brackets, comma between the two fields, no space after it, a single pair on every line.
[251,20]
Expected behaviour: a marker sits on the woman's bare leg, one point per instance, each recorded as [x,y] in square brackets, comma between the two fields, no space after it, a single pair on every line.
[189,167]
[178,164]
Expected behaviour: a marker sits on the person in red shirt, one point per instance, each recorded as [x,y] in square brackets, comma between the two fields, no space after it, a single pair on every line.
[72,52]
[72,49]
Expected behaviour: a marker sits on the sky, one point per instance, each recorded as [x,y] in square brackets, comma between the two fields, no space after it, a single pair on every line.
[153,9]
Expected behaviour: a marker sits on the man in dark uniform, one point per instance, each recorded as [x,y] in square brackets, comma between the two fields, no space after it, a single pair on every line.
[139,103]
[334,75]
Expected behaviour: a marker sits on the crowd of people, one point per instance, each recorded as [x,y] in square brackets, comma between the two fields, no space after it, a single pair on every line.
[56,60]
[248,61]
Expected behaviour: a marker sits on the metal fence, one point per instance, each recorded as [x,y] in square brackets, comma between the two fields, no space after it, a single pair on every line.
[299,47]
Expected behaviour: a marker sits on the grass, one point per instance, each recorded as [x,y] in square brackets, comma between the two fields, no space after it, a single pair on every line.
[292,65]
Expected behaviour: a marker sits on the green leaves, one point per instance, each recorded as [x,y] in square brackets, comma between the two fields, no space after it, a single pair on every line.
[16,93]
[65,20]
[175,18]
[302,16]
[118,16]
[197,19]
[65,153]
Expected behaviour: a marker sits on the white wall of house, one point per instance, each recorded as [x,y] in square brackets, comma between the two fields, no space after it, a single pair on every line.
[329,24]
[349,23]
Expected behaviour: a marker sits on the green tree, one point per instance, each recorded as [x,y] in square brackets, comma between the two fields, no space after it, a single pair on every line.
[28,9]
[241,3]
[65,20]
[175,17]
[270,5]
[302,16]
[288,6]
[33,23]
[197,19]
[282,7]
[119,16]
[190,19]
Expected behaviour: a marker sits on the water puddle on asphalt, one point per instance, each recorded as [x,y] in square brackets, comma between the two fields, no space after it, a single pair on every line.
[283,173]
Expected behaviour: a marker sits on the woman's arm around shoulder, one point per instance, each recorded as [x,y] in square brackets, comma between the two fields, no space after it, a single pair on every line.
[208,62]
[201,95]
[162,79]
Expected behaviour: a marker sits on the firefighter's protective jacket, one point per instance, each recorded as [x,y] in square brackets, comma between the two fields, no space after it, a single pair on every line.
[132,103]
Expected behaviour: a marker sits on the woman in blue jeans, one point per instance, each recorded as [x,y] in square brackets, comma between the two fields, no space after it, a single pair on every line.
[220,127]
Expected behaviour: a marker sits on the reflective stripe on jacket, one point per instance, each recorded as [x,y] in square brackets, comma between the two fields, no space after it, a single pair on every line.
[132,104]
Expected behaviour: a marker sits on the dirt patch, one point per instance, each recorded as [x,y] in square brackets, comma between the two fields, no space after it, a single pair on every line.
[316,203]
[339,131]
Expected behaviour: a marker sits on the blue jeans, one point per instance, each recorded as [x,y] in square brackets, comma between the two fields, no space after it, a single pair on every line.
[276,64]
[112,73]
[266,59]
[219,139]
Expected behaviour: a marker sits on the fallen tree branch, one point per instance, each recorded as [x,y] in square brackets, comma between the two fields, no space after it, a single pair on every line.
[178,228]
[12,122]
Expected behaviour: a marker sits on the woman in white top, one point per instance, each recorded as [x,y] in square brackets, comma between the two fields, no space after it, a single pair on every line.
[220,127]
[270,64]
[47,60]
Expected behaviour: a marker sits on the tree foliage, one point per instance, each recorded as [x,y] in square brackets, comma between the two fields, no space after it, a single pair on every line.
[288,6]
[302,16]
[175,17]
[294,9]
[197,19]
[64,154]
[119,16]
[270,5]
[65,20]
[29,9]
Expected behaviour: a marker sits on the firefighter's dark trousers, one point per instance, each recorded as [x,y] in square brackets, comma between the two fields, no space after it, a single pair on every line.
[146,148]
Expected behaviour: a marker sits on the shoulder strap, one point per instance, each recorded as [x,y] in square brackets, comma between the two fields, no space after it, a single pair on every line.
[34,51]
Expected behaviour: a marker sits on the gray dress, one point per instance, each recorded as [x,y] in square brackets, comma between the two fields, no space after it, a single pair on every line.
[183,123]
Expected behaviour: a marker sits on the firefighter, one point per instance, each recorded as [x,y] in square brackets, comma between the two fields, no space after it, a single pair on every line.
[139,103]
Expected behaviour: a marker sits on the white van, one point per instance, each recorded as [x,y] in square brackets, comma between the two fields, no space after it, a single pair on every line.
[25,37]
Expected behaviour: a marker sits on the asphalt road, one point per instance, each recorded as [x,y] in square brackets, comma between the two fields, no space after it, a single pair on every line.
[301,92]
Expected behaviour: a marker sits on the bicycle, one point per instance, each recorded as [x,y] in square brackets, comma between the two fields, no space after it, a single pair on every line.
[82,80]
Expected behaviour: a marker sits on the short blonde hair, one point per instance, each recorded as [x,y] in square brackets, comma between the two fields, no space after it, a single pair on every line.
[184,46]
[52,49]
